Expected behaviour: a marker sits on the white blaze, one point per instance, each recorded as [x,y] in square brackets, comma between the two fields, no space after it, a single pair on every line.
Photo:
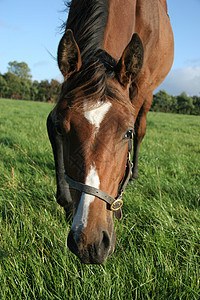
[80,219]
[96,115]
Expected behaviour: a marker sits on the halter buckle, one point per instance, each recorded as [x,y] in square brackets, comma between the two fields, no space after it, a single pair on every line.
[117,204]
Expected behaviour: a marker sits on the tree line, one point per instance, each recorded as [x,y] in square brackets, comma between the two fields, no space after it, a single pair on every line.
[181,104]
[17,84]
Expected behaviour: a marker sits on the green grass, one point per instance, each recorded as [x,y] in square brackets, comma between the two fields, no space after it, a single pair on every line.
[157,254]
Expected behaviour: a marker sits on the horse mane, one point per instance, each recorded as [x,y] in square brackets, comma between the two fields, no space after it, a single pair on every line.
[91,84]
[87,19]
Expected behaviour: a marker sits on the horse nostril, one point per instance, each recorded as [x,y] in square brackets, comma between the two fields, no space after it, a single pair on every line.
[71,242]
[105,240]
[75,241]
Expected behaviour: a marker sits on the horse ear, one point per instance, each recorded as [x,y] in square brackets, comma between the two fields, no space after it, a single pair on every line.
[131,61]
[69,57]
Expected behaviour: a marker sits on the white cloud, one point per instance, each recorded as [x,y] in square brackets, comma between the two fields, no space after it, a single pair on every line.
[8,26]
[182,80]
[41,63]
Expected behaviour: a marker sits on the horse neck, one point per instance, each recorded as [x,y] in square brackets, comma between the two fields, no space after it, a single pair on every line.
[87,19]
[102,24]
[120,26]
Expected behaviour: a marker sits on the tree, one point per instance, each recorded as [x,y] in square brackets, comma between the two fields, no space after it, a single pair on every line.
[3,86]
[44,90]
[35,90]
[21,70]
[13,85]
[54,89]
[164,102]
[196,103]
[26,89]
[185,104]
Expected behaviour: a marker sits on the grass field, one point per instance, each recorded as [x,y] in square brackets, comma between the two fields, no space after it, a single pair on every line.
[157,254]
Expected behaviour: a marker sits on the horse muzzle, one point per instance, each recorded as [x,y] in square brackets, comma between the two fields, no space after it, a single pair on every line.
[95,252]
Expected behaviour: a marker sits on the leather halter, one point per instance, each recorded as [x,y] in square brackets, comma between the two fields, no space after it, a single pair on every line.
[115,204]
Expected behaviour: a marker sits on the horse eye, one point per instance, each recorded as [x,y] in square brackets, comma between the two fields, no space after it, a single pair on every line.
[59,130]
[128,134]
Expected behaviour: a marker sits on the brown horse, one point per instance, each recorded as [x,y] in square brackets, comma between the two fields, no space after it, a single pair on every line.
[112,55]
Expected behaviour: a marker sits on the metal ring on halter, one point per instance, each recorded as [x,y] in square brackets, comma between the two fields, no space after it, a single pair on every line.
[117,204]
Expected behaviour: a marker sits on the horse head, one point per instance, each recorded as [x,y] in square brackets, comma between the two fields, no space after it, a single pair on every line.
[93,124]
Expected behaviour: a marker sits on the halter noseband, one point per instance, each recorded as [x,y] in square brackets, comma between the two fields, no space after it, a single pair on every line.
[114,203]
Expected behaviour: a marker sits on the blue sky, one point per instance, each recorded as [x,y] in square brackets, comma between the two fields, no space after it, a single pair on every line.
[29,30]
